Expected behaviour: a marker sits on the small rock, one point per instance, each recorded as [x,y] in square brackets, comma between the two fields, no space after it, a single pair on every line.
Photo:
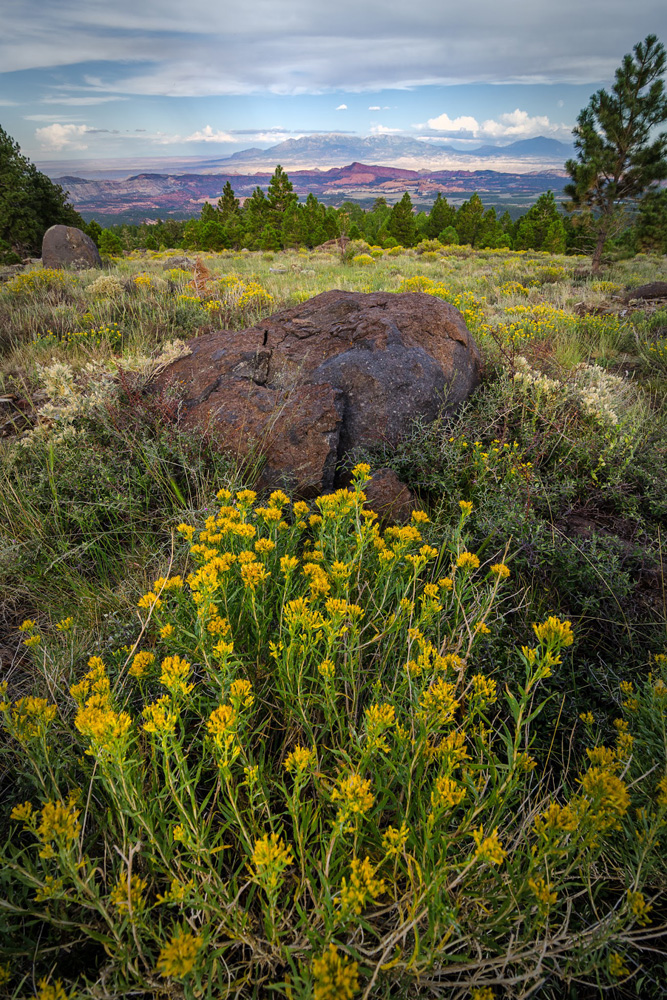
[66,246]
[277,270]
[389,497]
[654,290]
[184,263]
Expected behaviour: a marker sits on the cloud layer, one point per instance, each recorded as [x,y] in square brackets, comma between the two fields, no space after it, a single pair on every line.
[513,125]
[161,47]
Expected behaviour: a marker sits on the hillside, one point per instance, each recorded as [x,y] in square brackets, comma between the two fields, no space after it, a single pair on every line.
[182,195]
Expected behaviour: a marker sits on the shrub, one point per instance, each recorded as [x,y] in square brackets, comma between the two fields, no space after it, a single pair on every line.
[298,775]
[363,259]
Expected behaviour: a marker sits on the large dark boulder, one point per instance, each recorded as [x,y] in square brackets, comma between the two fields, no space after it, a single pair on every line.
[66,246]
[310,384]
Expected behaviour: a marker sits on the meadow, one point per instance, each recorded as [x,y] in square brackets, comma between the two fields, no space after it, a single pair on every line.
[258,747]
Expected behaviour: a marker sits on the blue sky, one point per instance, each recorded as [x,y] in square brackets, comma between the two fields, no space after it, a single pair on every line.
[90,79]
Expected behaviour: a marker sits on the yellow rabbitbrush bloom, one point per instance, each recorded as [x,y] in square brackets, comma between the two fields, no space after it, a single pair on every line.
[240,694]
[362,888]
[253,574]
[489,849]
[554,632]
[128,898]
[31,717]
[299,760]
[175,672]
[270,857]
[141,664]
[500,570]
[437,704]
[447,794]
[58,823]
[468,561]
[222,726]
[639,908]
[160,719]
[543,893]
[355,797]
[52,991]
[606,798]
[335,976]
[177,959]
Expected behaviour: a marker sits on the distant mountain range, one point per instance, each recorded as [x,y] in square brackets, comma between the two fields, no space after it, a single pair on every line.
[182,195]
[336,149]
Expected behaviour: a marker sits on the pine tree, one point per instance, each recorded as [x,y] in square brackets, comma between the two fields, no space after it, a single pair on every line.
[255,217]
[535,224]
[555,240]
[401,224]
[617,158]
[110,243]
[651,229]
[228,204]
[470,220]
[279,196]
[29,202]
[440,217]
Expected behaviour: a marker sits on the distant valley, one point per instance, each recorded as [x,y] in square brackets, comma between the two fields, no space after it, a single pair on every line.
[334,167]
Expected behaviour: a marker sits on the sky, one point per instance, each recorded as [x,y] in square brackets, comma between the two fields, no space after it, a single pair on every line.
[84,80]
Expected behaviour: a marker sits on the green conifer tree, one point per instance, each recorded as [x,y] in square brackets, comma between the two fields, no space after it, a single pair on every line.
[440,217]
[619,154]
[228,204]
[470,220]
[401,225]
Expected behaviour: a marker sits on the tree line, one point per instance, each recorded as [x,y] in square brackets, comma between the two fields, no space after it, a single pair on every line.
[614,196]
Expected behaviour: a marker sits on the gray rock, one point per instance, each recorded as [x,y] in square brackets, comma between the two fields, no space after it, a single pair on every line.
[66,246]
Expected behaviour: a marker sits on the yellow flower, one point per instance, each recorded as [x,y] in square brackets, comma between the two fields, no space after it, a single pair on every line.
[149,600]
[489,849]
[468,560]
[159,717]
[22,813]
[240,694]
[278,498]
[639,908]
[617,966]
[556,819]
[543,893]
[554,632]
[218,626]
[327,669]
[253,574]
[270,857]
[264,546]
[361,472]
[587,718]
[500,570]
[222,725]
[167,631]
[178,958]
[246,497]
[140,664]
[335,976]
[299,760]
[175,672]
[51,991]
[32,717]
[437,704]
[481,628]
[482,993]
[223,495]
[466,507]
[132,901]
[288,564]
[607,796]
[27,626]
[59,822]
[484,689]
[662,792]
[602,757]
[355,796]
[446,583]
[420,517]
[301,508]
[65,624]
[362,887]
[32,641]
[447,794]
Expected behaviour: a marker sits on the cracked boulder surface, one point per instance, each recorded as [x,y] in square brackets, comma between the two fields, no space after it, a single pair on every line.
[307,385]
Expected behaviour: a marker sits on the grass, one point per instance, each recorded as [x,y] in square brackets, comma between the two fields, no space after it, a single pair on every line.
[562,455]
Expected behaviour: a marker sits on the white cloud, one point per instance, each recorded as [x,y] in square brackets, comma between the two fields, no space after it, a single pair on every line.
[342,107]
[207,134]
[383,130]
[7,104]
[375,107]
[57,136]
[83,101]
[513,125]
[443,123]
